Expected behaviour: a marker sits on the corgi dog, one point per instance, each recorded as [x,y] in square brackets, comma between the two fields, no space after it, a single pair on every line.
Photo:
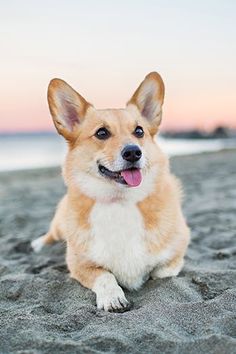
[121,217]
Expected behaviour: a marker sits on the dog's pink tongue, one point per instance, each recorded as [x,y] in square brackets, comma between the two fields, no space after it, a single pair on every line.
[132,177]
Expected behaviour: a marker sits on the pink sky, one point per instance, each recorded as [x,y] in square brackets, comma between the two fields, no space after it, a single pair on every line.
[104,50]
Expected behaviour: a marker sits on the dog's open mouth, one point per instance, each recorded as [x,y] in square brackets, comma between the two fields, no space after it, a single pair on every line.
[131,177]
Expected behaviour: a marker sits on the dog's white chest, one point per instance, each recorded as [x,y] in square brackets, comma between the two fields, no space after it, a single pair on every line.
[118,242]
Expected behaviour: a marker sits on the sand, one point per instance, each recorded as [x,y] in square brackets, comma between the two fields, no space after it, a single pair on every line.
[42,310]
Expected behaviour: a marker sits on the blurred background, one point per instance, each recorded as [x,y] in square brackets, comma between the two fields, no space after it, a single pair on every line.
[104,49]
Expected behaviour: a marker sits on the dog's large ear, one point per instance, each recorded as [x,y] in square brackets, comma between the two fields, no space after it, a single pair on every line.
[67,107]
[148,98]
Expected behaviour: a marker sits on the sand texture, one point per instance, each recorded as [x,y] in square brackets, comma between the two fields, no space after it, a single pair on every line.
[42,310]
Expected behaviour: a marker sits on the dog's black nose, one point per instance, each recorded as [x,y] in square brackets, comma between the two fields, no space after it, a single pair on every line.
[131,153]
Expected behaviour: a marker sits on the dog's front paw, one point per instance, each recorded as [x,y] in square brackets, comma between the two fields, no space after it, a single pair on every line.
[109,295]
[113,301]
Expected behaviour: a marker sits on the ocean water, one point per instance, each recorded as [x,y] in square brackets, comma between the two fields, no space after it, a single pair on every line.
[19,152]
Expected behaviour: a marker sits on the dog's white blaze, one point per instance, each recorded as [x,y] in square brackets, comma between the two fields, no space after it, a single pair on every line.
[118,243]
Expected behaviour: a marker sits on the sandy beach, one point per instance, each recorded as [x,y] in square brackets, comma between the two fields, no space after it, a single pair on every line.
[42,310]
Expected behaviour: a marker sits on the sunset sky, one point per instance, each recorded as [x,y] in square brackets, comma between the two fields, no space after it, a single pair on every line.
[105,48]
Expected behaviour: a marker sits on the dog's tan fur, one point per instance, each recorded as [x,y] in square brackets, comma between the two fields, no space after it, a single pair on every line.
[159,209]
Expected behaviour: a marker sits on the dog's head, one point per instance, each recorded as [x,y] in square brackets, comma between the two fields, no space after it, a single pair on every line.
[112,147]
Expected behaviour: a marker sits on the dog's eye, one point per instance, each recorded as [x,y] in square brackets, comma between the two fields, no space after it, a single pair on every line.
[102,134]
[139,133]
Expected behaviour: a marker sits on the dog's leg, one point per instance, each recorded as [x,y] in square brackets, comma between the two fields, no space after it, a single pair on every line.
[53,235]
[174,265]
[42,241]
[170,269]
[109,295]
[56,231]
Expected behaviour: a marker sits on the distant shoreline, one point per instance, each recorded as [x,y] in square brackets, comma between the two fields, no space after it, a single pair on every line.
[59,166]
[24,152]
[220,132]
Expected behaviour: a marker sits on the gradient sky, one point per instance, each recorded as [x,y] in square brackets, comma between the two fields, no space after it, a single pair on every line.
[105,48]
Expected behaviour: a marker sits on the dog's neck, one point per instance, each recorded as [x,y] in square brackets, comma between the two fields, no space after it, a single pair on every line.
[111,200]
[77,194]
